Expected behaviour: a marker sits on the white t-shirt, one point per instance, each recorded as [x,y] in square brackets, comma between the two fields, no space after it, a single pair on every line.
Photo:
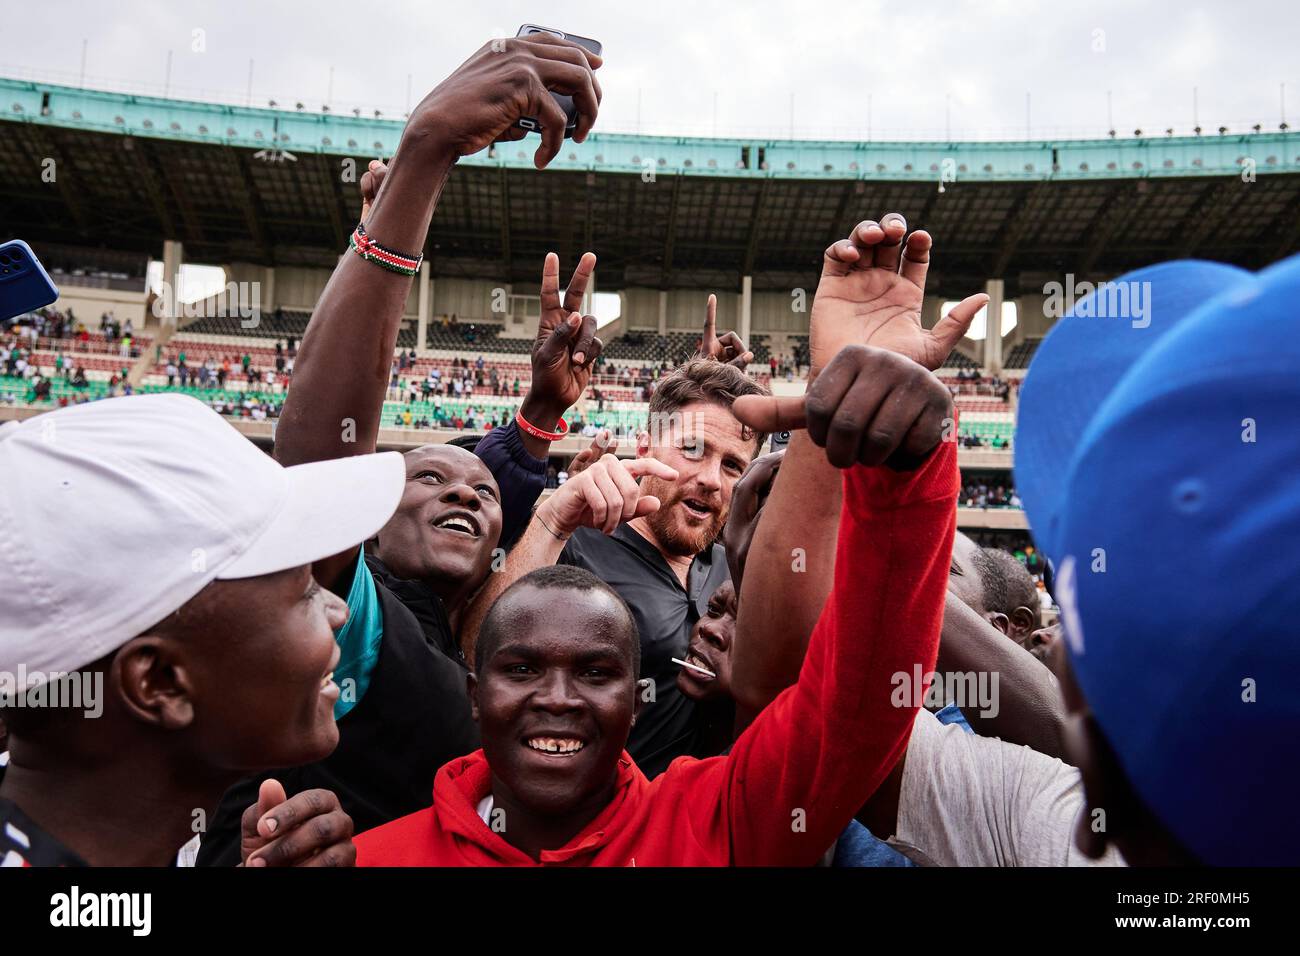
[968,800]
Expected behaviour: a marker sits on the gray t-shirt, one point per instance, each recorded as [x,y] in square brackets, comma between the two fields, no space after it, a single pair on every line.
[968,800]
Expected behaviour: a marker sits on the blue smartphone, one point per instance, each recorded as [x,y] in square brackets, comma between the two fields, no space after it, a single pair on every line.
[25,286]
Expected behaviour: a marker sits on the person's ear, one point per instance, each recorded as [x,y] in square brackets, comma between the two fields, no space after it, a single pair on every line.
[639,690]
[471,686]
[153,682]
[1024,621]
[1000,621]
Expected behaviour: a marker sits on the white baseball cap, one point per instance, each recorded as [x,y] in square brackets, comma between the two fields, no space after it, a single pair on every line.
[115,513]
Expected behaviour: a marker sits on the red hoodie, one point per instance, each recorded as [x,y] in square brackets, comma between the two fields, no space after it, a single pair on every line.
[811,759]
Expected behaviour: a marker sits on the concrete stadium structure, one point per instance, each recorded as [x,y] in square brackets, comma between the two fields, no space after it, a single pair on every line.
[101,182]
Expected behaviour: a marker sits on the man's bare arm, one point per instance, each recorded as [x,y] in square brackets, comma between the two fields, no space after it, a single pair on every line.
[342,371]
[788,575]
[603,496]
[870,292]
[1027,707]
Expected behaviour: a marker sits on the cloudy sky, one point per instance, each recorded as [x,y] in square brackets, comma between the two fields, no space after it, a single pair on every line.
[907,69]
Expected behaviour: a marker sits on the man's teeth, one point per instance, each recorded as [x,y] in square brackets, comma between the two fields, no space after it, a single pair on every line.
[699,662]
[326,681]
[456,524]
[556,745]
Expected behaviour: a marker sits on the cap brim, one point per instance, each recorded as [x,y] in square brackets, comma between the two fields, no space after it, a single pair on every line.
[1079,364]
[331,506]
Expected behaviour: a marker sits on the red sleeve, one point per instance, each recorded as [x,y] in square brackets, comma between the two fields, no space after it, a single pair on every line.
[815,755]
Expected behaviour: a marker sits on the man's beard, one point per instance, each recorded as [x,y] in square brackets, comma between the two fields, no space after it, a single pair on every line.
[673,534]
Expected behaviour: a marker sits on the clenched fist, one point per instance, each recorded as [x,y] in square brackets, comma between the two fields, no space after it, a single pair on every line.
[869,406]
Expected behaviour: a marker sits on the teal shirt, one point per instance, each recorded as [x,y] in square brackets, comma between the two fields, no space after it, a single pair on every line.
[358,640]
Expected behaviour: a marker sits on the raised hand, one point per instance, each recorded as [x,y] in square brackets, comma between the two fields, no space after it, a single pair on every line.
[729,348]
[603,495]
[309,829]
[869,406]
[566,347]
[605,443]
[870,293]
[505,81]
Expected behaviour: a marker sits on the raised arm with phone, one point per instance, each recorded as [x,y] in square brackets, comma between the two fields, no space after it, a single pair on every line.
[399,663]
[342,369]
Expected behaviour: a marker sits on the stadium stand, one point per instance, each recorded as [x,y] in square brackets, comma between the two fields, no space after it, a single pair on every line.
[673,348]
[993,431]
[1045,208]
[958,360]
[280,324]
[475,337]
[1022,353]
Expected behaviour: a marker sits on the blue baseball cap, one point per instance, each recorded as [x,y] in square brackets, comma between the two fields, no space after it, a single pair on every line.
[1172,513]
[1082,359]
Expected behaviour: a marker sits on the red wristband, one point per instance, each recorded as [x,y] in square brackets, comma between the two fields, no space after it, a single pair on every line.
[536,432]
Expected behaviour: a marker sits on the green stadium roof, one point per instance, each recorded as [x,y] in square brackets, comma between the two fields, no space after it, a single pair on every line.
[661,211]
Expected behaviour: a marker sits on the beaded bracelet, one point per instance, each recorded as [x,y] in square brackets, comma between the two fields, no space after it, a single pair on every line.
[390,259]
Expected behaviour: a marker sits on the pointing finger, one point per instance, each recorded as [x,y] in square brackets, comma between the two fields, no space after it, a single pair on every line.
[639,467]
[771,413]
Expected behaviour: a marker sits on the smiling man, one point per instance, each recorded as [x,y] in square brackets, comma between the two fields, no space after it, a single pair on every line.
[555,689]
[437,549]
[212,645]
[665,564]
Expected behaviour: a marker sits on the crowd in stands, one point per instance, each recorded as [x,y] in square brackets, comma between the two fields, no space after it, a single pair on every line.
[970,381]
[55,328]
[460,379]
[256,408]
[970,439]
[23,366]
[207,372]
[988,491]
